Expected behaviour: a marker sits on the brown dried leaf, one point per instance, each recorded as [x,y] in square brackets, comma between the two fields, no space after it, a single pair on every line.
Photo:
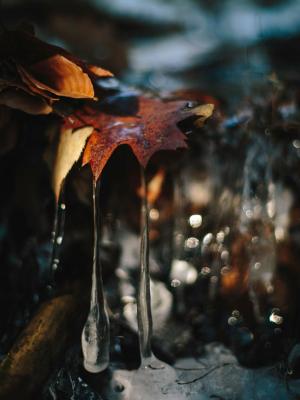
[71,144]
[20,100]
[98,71]
[61,77]
[44,70]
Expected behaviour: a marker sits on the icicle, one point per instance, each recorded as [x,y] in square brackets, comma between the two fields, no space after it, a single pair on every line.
[149,381]
[95,335]
[144,296]
[58,232]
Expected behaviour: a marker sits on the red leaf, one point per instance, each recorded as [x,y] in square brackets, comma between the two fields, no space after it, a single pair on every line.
[154,128]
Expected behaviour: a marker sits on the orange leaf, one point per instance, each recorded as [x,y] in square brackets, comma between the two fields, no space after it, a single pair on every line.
[45,70]
[60,76]
[98,71]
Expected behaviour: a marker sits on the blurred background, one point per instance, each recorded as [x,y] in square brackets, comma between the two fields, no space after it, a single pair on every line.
[225,216]
[165,45]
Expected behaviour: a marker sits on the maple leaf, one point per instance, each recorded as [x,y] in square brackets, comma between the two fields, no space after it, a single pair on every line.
[194,95]
[29,66]
[154,128]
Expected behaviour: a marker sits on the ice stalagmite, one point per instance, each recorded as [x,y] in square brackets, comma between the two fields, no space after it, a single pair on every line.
[95,335]
[144,297]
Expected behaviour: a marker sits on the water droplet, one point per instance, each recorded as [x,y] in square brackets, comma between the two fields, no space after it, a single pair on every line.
[225,255]
[207,238]
[154,214]
[257,265]
[232,321]
[195,220]
[183,271]
[191,276]
[191,243]
[236,313]
[57,233]
[249,213]
[275,318]
[220,237]
[296,144]
[190,104]
[175,283]
[205,271]
[225,270]
[227,230]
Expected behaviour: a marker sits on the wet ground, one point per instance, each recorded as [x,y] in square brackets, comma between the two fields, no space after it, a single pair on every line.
[225,227]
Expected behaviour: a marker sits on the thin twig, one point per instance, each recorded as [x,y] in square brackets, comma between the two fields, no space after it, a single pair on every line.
[190,369]
[204,375]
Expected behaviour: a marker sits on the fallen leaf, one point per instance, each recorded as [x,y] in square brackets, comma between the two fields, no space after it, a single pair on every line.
[71,144]
[59,76]
[154,128]
[195,95]
[43,70]
[20,100]
[98,72]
